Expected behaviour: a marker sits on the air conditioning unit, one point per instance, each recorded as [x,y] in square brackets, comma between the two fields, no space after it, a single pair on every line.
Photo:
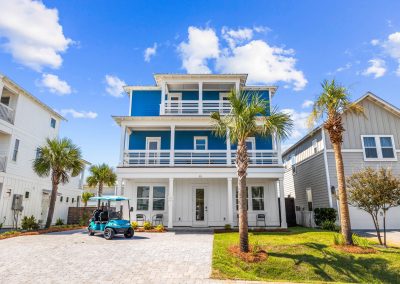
[17,202]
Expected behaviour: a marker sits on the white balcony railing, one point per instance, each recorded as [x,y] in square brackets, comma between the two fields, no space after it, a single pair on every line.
[183,158]
[186,107]
[6,113]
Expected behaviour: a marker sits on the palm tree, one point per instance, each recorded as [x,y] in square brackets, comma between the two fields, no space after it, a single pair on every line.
[102,174]
[330,106]
[85,197]
[61,159]
[249,117]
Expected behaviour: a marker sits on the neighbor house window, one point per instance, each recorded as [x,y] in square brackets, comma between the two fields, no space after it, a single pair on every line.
[15,152]
[200,143]
[293,163]
[5,101]
[143,194]
[159,198]
[237,199]
[37,155]
[257,198]
[309,199]
[26,194]
[53,123]
[314,146]
[378,147]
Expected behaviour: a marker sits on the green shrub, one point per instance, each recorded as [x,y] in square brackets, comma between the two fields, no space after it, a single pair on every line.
[147,225]
[338,239]
[29,223]
[360,241]
[329,226]
[227,227]
[9,233]
[255,248]
[134,225]
[160,228]
[59,222]
[324,214]
[84,219]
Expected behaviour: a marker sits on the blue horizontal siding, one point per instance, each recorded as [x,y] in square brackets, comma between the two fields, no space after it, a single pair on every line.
[146,103]
[184,140]
[262,143]
[137,139]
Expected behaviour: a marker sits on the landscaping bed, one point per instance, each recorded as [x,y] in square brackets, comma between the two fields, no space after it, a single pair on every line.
[53,229]
[302,255]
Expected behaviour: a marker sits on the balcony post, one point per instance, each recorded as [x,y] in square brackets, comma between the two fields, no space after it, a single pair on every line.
[237,86]
[122,144]
[200,97]
[1,86]
[278,149]
[171,203]
[230,202]
[163,92]
[228,148]
[282,202]
[172,147]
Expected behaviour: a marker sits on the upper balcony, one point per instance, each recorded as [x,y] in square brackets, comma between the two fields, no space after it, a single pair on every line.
[8,102]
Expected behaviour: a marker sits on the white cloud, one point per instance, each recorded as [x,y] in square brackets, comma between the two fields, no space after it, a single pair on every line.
[32,33]
[377,68]
[234,37]
[375,42]
[150,52]
[307,104]
[114,86]
[300,123]
[79,114]
[202,45]
[55,84]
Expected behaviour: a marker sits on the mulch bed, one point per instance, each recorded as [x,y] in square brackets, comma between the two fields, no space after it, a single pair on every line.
[150,231]
[250,257]
[355,249]
[38,232]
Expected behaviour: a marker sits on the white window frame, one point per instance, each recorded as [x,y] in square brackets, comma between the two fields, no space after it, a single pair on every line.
[379,148]
[151,197]
[315,146]
[200,138]
[174,103]
[293,164]
[309,197]
[174,95]
[223,95]
[250,198]
[152,158]
[152,139]
[14,155]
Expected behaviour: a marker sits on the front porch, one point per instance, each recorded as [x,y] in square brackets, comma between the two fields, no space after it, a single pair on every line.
[203,202]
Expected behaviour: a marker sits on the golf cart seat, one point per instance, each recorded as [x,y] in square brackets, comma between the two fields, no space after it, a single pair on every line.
[112,215]
[104,216]
[96,215]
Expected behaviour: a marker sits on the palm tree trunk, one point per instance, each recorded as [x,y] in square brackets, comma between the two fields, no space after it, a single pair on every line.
[100,193]
[241,166]
[344,207]
[53,198]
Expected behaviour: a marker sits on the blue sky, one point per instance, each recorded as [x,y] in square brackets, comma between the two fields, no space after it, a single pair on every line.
[75,55]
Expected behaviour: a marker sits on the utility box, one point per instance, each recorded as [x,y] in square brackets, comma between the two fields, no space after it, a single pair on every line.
[17,202]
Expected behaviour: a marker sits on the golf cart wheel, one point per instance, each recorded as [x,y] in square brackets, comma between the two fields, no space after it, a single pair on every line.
[108,233]
[129,233]
[90,232]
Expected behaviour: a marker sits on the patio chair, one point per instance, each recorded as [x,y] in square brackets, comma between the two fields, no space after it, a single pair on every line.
[157,219]
[140,217]
[260,218]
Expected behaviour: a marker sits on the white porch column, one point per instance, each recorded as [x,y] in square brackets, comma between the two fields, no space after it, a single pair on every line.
[278,149]
[282,201]
[171,203]
[1,86]
[237,86]
[228,148]
[230,202]
[200,97]
[163,92]
[172,146]
[122,144]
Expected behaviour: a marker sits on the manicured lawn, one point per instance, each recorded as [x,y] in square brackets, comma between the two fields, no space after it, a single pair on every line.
[304,255]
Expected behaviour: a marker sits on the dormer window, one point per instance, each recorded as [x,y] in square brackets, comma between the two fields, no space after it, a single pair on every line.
[378,148]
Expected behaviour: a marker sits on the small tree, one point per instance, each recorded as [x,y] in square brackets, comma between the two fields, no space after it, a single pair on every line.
[101,175]
[374,191]
[85,197]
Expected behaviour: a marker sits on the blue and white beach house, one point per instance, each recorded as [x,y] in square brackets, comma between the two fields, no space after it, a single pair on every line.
[172,164]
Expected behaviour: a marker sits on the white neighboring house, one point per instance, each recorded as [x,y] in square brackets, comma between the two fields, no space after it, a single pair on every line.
[172,164]
[372,140]
[25,123]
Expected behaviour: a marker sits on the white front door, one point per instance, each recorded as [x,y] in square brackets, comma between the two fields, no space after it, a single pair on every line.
[200,210]
[153,145]
[174,101]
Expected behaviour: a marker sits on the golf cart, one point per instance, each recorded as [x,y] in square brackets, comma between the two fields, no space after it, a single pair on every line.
[109,222]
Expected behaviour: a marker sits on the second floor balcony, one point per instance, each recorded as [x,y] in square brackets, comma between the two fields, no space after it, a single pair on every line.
[192,107]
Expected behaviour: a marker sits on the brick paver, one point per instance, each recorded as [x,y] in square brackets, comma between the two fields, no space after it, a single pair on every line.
[173,257]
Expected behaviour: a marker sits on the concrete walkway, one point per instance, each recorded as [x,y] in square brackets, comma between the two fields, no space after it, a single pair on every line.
[392,236]
[173,257]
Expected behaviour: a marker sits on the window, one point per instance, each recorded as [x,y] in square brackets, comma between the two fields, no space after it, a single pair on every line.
[378,147]
[200,143]
[314,146]
[251,143]
[143,194]
[61,198]
[158,198]
[237,199]
[257,197]
[27,194]
[293,162]
[15,153]
[53,123]
[5,101]
[37,153]
[309,199]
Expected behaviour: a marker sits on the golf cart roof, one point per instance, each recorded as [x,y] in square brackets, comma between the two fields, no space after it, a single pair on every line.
[110,198]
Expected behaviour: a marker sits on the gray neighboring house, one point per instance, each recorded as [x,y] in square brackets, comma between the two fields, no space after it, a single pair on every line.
[370,141]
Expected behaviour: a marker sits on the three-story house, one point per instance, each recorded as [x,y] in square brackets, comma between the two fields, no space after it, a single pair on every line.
[172,164]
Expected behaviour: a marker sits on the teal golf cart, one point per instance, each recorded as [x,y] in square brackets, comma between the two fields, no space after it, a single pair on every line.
[108,221]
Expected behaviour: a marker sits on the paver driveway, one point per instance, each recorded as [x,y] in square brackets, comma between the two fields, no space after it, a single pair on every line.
[75,257]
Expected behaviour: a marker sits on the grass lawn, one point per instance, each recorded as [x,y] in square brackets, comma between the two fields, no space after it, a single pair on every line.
[304,255]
